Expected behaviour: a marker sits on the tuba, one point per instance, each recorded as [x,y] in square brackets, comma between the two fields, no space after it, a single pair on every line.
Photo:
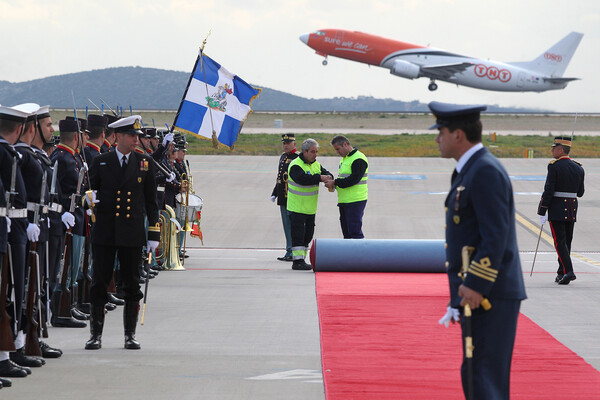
[167,252]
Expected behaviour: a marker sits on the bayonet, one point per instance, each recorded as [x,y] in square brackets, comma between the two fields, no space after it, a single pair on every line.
[39,207]
[13,183]
[53,182]
[111,110]
[75,195]
[94,104]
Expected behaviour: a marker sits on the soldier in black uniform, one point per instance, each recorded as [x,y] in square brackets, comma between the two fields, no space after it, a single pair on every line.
[564,184]
[96,127]
[279,193]
[109,135]
[480,214]
[12,122]
[123,182]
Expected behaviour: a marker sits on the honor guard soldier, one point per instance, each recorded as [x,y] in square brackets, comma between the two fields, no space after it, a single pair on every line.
[351,187]
[564,184]
[305,173]
[288,141]
[123,184]
[172,186]
[70,174]
[480,228]
[96,128]
[110,136]
[12,122]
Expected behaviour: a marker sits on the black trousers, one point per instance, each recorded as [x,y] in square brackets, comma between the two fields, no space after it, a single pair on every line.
[104,263]
[303,229]
[351,215]
[493,333]
[19,260]
[55,249]
[562,233]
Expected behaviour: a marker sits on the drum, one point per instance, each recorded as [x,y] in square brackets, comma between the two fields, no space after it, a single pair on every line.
[194,205]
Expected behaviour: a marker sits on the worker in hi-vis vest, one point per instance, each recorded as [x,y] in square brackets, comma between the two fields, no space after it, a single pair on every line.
[351,186]
[304,175]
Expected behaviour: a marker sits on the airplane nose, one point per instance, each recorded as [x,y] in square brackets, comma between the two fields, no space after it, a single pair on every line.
[304,38]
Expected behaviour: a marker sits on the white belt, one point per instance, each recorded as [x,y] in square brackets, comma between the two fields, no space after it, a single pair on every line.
[2,211]
[160,188]
[34,206]
[55,207]
[20,213]
[565,194]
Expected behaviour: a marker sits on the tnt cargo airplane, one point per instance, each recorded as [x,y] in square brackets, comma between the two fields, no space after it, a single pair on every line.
[414,61]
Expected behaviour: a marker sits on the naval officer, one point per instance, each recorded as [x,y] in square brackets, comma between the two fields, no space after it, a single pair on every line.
[480,213]
[124,193]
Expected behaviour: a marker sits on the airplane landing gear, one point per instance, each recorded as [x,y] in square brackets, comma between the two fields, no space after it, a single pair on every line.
[324,62]
[432,86]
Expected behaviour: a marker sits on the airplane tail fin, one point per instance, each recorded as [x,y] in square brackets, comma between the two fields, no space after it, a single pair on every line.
[554,61]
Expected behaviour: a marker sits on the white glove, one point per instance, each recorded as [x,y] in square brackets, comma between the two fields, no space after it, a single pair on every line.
[273,199]
[33,232]
[171,177]
[7,225]
[152,245]
[543,219]
[88,212]
[68,219]
[452,314]
[168,138]
[85,166]
[94,199]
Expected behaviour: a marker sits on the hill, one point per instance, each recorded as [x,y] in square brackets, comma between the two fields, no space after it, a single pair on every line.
[158,89]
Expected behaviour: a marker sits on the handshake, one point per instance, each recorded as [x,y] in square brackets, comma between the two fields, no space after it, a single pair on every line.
[329,182]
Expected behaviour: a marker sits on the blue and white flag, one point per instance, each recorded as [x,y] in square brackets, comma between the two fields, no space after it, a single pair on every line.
[214,99]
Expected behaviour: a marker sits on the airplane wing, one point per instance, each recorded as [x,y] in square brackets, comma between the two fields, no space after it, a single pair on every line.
[560,80]
[444,71]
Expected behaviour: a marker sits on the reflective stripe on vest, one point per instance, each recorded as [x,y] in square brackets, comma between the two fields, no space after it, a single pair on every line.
[356,192]
[303,198]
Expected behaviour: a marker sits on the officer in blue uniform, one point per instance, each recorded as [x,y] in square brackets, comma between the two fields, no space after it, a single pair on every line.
[564,184]
[480,213]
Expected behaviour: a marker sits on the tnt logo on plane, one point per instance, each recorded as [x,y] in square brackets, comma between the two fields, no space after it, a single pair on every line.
[553,57]
[503,75]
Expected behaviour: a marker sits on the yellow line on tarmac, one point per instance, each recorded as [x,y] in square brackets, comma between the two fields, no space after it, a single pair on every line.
[548,239]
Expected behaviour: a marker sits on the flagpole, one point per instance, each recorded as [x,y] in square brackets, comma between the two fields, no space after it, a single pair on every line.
[214,138]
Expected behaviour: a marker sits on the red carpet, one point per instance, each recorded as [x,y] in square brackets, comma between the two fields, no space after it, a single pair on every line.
[380,340]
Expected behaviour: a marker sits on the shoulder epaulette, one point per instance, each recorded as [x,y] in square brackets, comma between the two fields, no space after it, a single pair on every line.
[577,162]
[552,161]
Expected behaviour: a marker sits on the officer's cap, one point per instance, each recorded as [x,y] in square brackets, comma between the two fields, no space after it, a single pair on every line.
[68,125]
[43,112]
[111,118]
[30,108]
[562,141]
[446,113]
[130,125]
[83,124]
[288,137]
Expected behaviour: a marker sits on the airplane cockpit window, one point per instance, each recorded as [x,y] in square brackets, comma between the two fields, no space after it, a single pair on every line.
[320,33]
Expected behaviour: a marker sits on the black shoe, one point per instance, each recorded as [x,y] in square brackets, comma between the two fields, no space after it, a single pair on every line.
[569,276]
[285,258]
[301,265]
[11,370]
[95,343]
[59,322]
[110,307]
[6,382]
[558,278]
[78,315]
[131,343]
[84,307]
[49,352]
[115,300]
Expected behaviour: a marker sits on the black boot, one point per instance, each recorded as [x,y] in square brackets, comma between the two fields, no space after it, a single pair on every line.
[130,316]
[48,351]
[96,326]
[301,265]
[19,358]
[9,369]
[115,300]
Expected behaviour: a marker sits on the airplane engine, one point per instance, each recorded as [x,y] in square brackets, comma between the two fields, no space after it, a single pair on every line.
[405,69]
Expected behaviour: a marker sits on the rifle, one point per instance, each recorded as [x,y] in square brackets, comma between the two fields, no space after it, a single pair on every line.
[6,333]
[32,341]
[146,288]
[87,281]
[64,307]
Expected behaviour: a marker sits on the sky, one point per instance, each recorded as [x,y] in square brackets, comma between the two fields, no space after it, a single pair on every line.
[259,41]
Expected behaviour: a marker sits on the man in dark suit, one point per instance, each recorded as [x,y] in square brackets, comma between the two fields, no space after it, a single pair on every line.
[124,193]
[564,184]
[480,214]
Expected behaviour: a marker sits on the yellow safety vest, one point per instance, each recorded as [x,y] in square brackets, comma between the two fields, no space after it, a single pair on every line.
[303,199]
[356,192]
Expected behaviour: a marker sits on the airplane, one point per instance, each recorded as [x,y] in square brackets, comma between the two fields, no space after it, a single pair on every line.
[415,61]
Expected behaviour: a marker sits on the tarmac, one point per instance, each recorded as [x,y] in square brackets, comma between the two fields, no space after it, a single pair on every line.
[239,324]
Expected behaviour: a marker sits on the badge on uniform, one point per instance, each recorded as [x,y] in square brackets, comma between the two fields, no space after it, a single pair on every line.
[139,179]
[144,165]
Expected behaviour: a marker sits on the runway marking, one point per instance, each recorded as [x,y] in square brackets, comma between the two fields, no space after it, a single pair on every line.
[229,269]
[313,375]
[398,177]
[527,177]
[548,239]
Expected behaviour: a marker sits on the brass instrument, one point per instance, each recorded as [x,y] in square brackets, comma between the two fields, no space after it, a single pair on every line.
[167,252]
